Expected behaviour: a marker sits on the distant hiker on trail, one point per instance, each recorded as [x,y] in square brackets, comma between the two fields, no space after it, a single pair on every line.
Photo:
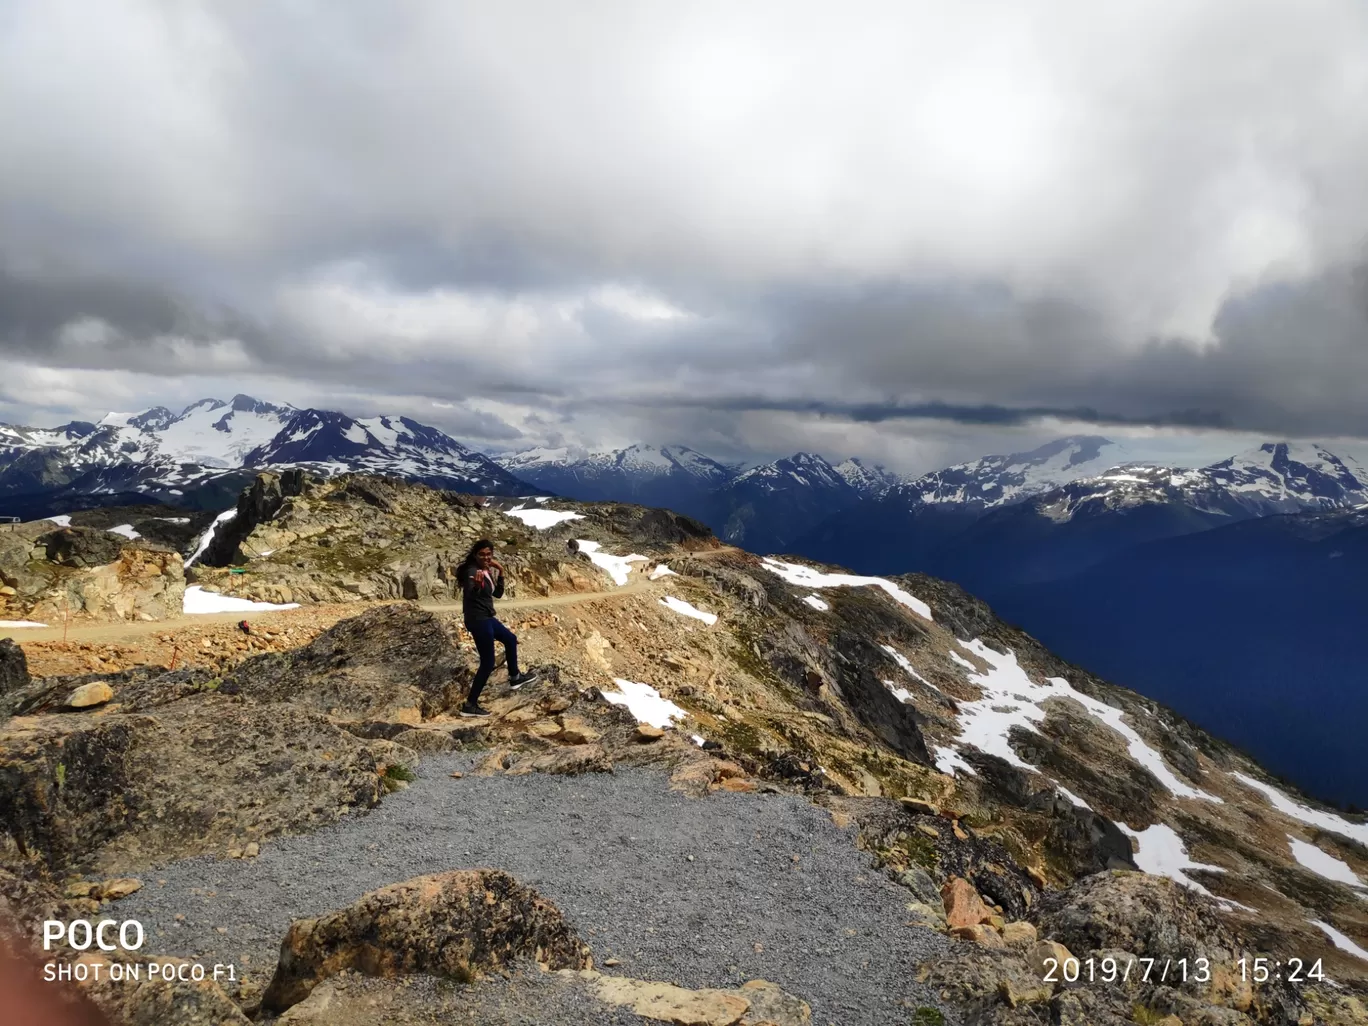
[482,581]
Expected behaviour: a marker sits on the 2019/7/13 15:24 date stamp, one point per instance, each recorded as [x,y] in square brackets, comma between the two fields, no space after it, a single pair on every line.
[1178,970]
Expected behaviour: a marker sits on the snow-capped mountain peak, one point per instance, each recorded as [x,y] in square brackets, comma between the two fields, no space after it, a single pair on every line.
[157,451]
[1003,479]
[639,460]
[1293,476]
[866,478]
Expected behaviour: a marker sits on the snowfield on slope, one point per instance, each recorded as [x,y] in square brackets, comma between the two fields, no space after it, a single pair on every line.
[645,703]
[687,609]
[807,577]
[542,519]
[1011,699]
[1322,863]
[1161,852]
[1302,813]
[208,536]
[618,567]
[198,602]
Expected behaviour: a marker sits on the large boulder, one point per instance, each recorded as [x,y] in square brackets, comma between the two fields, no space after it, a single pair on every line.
[82,547]
[393,662]
[163,1000]
[13,668]
[115,791]
[1153,917]
[458,924]
[259,503]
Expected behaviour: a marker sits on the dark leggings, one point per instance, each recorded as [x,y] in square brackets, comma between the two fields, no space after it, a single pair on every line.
[485,633]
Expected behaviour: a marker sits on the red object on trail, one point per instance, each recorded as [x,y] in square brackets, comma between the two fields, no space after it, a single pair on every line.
[245,627]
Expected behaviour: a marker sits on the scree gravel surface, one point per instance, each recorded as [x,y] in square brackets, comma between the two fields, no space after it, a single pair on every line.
[705,892]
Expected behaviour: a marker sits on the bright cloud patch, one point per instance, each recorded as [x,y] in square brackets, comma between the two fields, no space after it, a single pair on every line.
[1011,699]
[644,702]
[618,567]
[1322,863]
[197,601]
[685,609]
[807,577]
[541,519]
[1311,817]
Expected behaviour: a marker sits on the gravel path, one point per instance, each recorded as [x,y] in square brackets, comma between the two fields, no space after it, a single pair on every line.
[704,893]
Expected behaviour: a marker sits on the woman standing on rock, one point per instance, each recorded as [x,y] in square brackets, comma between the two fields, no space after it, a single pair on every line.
[482,581]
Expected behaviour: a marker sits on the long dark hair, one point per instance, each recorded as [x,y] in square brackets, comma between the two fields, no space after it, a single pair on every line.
[463,571]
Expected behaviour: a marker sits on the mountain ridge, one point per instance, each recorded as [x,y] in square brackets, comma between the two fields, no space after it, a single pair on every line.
[157,453]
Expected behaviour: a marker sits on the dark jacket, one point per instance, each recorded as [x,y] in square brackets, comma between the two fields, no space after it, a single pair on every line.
[478,592]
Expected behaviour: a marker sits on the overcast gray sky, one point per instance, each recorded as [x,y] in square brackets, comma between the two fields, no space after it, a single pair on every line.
[916,231]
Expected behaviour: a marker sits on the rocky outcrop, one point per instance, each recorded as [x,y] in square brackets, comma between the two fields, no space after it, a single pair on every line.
[394,662]
[162,1000]
[82,547]
[1122,917]
[13,668]
[459,925]
[80,790]
[48,575]
[258,504]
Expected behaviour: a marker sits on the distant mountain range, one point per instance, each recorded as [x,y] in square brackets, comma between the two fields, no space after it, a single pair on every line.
[201,456]
[761,508]
[1233,591]
[673,476]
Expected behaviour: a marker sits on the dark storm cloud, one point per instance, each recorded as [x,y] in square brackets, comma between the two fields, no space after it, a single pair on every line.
[990,214]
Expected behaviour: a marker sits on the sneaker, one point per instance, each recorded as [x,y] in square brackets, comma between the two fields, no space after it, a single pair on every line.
[473,710]
[526,677]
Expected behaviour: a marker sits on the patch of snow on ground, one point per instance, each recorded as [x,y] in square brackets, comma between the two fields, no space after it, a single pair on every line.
[1161,851]
[1340,940]
[1311,817]
[198,601]
[807,577]
[127,531]
[618,567]
[662,571]
[1011,699]
[1072,797]
[948,760]
[901,660]
[685,609]
[64,520]
[1322,863]
[816,603]
[900,693]
[956,657]
[541,519]
[208,536]
[644,702]
[21,623]
[174,520]
[698,740]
